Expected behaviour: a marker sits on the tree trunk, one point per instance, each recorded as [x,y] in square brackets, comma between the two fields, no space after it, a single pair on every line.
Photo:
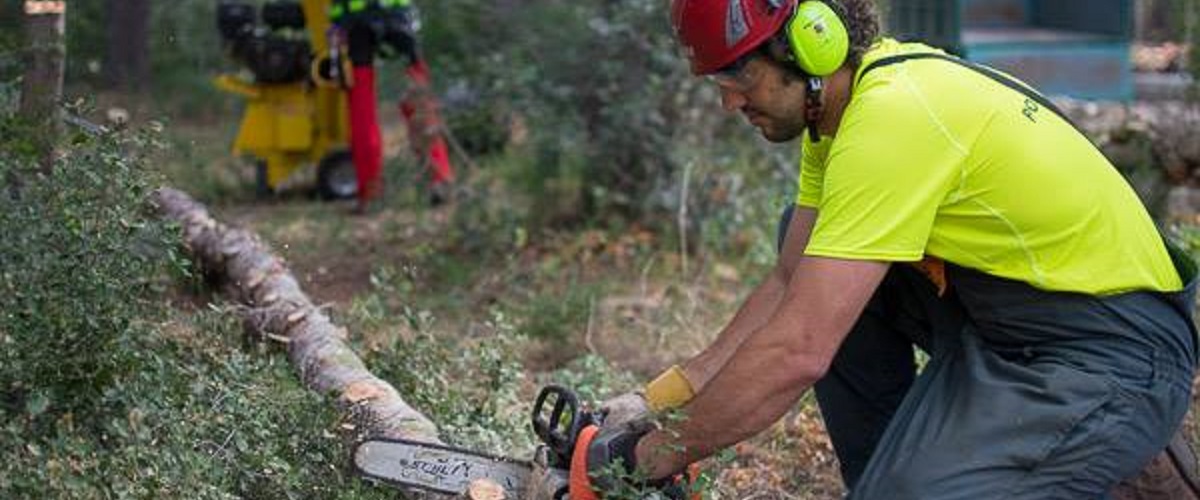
[278,309]
[41,89]
[127,58]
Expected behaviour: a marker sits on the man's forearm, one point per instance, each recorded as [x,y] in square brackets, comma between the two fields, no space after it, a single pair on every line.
[754,313]
[772,367]
[759,306]
[740,401]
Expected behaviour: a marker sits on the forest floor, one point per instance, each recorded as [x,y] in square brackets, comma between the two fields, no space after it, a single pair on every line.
[621,296]
[638,319]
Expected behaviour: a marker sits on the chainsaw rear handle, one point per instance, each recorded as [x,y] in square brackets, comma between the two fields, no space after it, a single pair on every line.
[557,420]
[597,450]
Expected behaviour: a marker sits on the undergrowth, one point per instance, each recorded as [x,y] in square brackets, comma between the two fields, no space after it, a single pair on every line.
[200,419]
[77,267]
[470,386]
[105,391]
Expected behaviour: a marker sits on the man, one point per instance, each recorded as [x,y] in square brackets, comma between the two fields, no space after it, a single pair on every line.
[947,206]
[388,28]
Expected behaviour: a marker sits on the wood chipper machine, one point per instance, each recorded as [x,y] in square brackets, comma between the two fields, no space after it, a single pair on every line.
[291,120]
[312,100]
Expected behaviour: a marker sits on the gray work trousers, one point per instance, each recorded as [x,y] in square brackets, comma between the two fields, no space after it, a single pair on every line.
[1027,394]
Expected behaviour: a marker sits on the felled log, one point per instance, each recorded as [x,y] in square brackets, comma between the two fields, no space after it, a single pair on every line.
[277,308]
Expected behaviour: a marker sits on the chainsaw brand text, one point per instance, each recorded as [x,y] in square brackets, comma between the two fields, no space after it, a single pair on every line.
[439,468]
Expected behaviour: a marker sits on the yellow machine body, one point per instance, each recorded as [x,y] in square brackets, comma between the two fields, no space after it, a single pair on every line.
[289,126]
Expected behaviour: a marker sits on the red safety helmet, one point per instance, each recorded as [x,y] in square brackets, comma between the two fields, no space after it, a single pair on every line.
[716,33]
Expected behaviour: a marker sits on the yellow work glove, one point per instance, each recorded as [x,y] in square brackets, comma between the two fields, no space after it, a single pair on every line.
[670,389]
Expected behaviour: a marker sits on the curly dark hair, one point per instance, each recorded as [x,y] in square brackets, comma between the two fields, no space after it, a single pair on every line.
[862,22]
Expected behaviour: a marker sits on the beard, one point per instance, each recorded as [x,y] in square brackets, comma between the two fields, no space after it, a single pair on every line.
[777,127]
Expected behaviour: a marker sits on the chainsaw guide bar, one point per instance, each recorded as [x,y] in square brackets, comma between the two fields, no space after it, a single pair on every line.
[439,468]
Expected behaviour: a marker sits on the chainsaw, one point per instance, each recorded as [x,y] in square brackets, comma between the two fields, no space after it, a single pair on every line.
[558,421]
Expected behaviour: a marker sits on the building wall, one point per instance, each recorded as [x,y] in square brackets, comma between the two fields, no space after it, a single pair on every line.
[994,13]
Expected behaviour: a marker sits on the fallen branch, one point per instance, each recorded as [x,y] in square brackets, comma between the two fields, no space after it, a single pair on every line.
[278,309]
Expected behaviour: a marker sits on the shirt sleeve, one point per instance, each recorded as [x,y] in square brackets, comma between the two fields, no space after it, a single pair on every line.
[891,167]
[812,171]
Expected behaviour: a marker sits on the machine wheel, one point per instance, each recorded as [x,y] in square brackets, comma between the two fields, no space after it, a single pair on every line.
[336,178]
[262,190]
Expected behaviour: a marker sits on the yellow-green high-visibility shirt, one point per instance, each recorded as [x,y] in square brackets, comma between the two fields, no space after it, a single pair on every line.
[935,159]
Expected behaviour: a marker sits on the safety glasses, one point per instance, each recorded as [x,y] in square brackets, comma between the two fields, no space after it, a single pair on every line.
[738,75]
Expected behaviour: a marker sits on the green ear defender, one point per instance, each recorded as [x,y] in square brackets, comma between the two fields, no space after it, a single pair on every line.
[818,38]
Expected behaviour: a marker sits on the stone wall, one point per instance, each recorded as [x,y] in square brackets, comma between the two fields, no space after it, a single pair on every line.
[1155,143]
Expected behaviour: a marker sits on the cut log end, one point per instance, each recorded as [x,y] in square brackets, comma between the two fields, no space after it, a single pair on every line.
[363,390]
[484,489]
[297,316]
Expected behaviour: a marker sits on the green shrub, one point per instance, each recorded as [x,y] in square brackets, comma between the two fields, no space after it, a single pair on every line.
[1187,236]
[101,396]
[607,87]
[78,264]
[560,315]
[182,40]
[200,420]
[471,387]
[10,73]
[600,87]
[594,379]
[736,200]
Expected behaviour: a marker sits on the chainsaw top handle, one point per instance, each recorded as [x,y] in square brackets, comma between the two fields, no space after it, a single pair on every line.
[557,420]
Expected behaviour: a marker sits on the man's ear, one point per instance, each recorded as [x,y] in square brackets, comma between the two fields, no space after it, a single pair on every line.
[779,52]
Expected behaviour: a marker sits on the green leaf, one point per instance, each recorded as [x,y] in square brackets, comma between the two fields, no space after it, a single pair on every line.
[37,404]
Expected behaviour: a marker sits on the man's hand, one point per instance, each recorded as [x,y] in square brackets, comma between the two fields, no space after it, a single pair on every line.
[546,482]
[624,409]
[606,466]
[670,389]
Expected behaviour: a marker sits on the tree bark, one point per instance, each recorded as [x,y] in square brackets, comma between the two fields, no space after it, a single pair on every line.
[42,86]
[127,57]
[280,310]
